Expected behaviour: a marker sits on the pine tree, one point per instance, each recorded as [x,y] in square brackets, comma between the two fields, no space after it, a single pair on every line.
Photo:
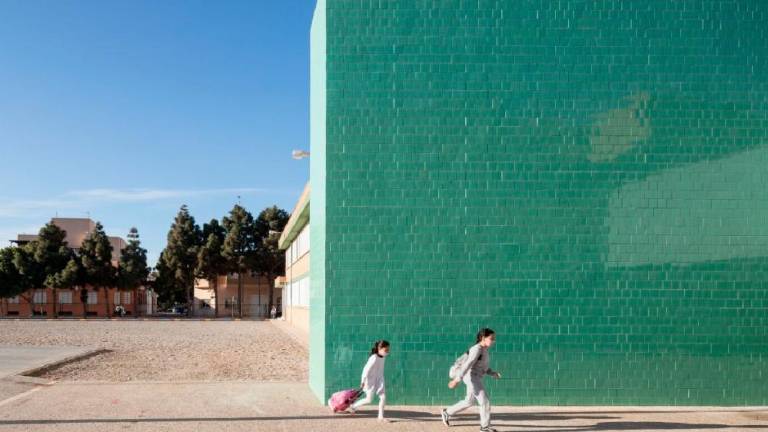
[39,260]
[132,270]
[51,255]
[210,261]
[96,257]
[164,283]
[184,240]
[240,247]
[271,260]
[30,274]
[11,281]
[84,298]
[71,276]
[50,249]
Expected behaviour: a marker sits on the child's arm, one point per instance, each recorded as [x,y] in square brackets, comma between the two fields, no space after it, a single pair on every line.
[366,369]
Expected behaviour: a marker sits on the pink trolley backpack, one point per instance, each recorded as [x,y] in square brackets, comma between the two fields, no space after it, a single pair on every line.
[341,400]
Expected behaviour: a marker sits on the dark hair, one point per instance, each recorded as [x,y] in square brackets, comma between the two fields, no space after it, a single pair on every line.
[379,344]
[484,333]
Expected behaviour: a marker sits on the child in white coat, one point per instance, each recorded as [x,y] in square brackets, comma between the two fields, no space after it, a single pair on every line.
[372,379]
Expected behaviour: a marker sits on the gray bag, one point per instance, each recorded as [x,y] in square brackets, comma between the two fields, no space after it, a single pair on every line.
[454,371]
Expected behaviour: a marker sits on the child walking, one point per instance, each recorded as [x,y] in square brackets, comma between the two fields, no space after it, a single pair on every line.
[372,380]
[472,370]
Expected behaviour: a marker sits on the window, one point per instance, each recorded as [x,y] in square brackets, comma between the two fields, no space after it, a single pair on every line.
[13,300]
[294,250]
[304,291]
[116,301]
[93,297]
[288,260]
[299,247]
[127,297]
[287,294]
[40,297]
[65,297]
[297,293]
[304,241]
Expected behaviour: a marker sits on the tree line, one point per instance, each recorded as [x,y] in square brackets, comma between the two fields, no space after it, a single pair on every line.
[49,262]
[239,243]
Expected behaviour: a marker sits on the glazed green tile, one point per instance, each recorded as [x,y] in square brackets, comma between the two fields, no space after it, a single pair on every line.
[586,177]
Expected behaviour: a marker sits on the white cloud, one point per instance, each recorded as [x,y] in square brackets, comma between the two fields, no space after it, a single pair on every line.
[10,208]
[134,195]
[90,198]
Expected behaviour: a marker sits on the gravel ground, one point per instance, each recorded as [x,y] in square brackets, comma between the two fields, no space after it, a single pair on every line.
[167,350]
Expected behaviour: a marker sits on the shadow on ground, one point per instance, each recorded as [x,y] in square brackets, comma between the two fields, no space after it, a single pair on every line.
[502,421]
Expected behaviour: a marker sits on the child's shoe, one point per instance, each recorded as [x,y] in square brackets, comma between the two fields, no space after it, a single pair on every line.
[445,417]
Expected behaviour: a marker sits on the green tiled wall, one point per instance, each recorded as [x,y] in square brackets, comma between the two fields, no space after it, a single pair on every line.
[589,178]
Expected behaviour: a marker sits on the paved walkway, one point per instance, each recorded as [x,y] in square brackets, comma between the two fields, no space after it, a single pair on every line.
[249,406]
[15,360]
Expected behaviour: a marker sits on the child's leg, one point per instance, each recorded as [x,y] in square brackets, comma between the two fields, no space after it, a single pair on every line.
[485,408]
[364,401]
[382,402]
[464,403]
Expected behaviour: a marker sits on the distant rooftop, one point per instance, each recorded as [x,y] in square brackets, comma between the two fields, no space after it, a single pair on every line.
[77,230]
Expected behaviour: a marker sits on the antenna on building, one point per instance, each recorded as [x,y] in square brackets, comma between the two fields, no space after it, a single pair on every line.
[238,200]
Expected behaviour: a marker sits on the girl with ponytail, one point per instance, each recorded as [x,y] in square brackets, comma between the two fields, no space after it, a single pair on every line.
[372,379]
[471,368]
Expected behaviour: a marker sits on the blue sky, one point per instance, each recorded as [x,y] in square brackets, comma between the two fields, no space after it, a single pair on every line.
[125,110]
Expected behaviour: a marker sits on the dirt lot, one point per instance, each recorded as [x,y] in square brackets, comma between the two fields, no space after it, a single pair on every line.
[167,350]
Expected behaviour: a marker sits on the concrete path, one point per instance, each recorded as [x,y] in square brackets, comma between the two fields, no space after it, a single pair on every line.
[248,406]
[15,360]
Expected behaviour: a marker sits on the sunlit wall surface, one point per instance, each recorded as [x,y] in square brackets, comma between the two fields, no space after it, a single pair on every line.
[589,178]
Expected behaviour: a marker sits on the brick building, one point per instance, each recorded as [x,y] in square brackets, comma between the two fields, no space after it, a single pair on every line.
[255,292]
[585,177]
[98,303]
